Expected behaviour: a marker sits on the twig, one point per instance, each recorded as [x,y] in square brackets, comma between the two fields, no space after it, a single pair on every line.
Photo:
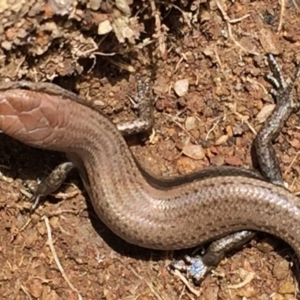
[159,28]
[291,164]
[181,127]
[211,129]
[25,292]
[26,224]
[187,284]
[282,10]
[50,243]
[248,279]
[228,22]
[148,283]
[295,3]
[288,169]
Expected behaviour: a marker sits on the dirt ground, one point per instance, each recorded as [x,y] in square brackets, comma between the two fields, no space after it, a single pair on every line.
[208,60]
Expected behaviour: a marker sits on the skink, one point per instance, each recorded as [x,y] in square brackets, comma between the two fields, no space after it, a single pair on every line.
[143,210]
[181,216]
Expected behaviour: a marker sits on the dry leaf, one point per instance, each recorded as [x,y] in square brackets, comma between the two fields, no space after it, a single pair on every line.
[193,151]
[181,87]
[104,27]
[221,140]
[264,113]
[190,123]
